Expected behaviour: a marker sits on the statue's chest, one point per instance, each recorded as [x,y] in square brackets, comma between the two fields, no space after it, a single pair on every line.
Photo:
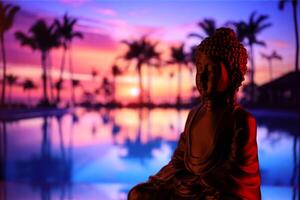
[202,135]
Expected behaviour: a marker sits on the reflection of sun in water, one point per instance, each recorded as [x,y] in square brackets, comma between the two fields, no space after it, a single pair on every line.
[134,91]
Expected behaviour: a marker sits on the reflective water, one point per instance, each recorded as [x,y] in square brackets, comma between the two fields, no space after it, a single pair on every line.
[102,154]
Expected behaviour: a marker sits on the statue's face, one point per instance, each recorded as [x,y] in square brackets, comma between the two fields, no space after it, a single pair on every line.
[211,77]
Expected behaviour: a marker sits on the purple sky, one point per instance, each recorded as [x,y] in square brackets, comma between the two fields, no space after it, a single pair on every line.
[106,23]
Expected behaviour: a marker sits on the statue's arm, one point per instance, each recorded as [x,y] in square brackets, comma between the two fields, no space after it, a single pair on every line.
[248,156]
[245,171]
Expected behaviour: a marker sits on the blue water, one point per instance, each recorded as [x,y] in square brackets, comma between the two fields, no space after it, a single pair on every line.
[102,154]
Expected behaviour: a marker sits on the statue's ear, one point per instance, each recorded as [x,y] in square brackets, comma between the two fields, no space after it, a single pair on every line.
[224,77]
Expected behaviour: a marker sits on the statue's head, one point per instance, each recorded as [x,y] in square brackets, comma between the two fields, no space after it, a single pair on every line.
[221,64]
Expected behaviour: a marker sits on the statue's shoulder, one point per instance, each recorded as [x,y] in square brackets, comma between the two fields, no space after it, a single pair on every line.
[193,110]
[242,116]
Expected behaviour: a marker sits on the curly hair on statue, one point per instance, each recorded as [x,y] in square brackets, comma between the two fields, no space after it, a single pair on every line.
[224,46]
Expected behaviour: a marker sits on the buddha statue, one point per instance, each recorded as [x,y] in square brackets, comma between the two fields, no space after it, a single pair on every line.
[216,156]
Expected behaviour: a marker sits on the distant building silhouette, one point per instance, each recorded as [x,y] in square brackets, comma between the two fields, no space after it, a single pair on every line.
[282,92]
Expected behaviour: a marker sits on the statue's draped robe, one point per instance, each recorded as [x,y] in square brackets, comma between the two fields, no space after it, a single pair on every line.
[231,171]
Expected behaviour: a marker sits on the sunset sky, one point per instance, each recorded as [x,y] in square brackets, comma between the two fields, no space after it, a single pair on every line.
[106,23]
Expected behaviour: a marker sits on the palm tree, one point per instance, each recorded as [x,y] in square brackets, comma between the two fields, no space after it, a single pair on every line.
[94,74]
[240,29]
[67,34]
[106,89]
[295,16]
[269,58]
[7,16]
[28,85]
[42,38]
[179,57]
[116,71]
[11,80]
[154,61]
[249,31]
[143,52]
[75,84]
[208,26]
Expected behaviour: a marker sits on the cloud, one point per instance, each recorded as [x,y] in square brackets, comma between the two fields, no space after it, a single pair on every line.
[74,3]
[96,41]
[106,12]
[121,29]
[279,44]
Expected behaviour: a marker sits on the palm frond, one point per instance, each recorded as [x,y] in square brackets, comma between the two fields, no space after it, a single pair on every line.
[25,40]
[281,4]
[195,35]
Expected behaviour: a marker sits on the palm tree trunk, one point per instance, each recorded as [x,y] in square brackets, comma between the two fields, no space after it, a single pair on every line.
[44,78]
[297,35]
[62,66]
[114,89]
[49,68]
[28,98]
[139,66]
[179,85]
[270,70]
[74,95]
[4,69]
[9,93]
[71,76]
[149,85]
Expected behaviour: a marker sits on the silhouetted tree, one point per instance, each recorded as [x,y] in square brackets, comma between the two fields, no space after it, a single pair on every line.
[106,89]
[75,84]
[42,38]
[155,61]
[116,71]
[7,16]
[11,80]
[143,52]
[208,26]
[269,58]
[67,34]
[240,29]
[94,74]
[179,57]
[295,16]
[252,28]
[28,85]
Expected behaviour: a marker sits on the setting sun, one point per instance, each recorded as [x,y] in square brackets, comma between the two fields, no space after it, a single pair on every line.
[134,91]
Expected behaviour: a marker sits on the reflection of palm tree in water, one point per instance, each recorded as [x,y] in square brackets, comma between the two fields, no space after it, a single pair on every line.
[115,130]
[62,171]
[290,125]
[46,143]
[61,139]
[3,143]
[46,171]
[105,116]
[139,150]
[108,118]
[296,171]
